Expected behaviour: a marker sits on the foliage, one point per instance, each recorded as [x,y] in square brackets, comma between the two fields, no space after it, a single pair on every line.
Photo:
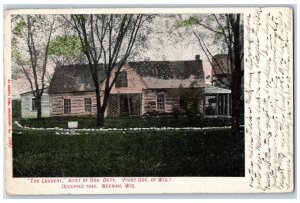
[110,39]
[128,122]
[66,46]
[30,43]
[224,30]
[188,22]
[16,108]
[18,31]
[20,27]
[103,154]
[61,122]
[190,101]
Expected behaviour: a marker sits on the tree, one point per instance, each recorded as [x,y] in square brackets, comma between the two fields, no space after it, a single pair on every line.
[226,30]
[30,51]
[190,101]
[110,40]
[66,50]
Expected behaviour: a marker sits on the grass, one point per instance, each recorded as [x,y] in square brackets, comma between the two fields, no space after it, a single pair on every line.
[126,122]
[130,153]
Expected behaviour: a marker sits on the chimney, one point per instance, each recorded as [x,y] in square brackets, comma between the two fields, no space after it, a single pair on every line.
[197,57]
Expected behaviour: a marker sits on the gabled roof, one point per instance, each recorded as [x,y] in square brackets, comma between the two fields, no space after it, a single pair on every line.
[220,64]
[156,74]
[170,74]
[73,78]
[30,92]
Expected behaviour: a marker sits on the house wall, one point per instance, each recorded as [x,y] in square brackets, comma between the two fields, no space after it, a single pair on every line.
[135,86]
[26,106]
[77,103]
[150,101]
[135,83]
[172,100]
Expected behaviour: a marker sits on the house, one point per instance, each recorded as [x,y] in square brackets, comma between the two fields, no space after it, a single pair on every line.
[147,87]
[29,108]
[221,71]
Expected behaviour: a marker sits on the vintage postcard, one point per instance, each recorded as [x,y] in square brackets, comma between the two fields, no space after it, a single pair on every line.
[149,101]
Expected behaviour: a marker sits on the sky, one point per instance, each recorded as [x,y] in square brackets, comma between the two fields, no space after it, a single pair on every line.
[164,43]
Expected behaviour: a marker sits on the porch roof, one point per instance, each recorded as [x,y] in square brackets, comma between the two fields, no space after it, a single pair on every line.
[216,90]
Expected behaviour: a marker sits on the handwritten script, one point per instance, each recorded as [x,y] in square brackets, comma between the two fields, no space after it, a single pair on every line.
[269,99]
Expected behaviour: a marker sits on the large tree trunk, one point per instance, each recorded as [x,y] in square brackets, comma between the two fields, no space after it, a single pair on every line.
[103,107]
[38,103]
[236,76]
[100,117]
[236,103]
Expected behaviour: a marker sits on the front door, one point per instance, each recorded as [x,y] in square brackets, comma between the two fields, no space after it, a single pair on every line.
[125,105]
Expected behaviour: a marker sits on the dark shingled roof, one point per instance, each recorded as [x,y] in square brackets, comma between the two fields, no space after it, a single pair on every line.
[169,69]
[76,78]
[220,64]
[73,78]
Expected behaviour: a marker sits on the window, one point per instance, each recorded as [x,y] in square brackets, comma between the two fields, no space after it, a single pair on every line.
[87,104]
[33,104]
[160,102]
[122,80]
[67,105]
[210,105]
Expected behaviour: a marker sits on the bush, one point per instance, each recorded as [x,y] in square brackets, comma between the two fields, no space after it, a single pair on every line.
[129,122]
[61,122]
[16,108]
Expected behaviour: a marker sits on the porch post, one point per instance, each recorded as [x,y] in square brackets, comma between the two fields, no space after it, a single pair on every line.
[204,103]
[228,104]
[224,103]
[217,105]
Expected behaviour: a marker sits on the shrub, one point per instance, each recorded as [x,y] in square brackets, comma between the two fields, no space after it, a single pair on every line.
[16,108]
[129,122]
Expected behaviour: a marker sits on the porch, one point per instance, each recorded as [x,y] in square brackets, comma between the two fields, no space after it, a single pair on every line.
[217,102]
[124,105]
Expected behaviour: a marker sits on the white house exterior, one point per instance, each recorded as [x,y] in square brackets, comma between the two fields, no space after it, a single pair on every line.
[28,107]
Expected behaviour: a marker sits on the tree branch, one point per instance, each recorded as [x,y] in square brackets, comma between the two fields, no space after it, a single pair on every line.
[209,55]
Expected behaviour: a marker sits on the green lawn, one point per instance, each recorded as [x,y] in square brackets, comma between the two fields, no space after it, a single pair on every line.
[130,153]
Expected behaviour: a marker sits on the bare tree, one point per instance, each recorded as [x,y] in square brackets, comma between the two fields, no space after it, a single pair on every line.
[110,40]
[223,30]
[30,43]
